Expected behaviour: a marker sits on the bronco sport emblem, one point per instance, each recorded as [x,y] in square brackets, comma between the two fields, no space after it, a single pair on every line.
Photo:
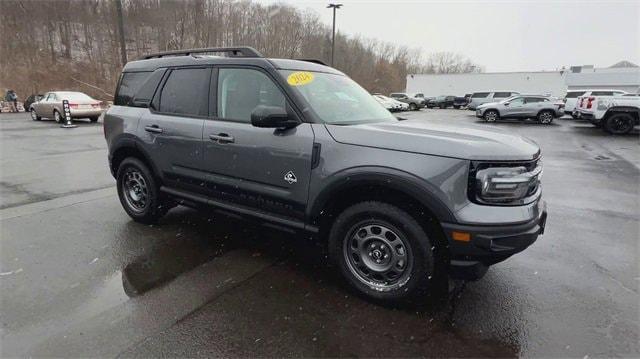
[290,178]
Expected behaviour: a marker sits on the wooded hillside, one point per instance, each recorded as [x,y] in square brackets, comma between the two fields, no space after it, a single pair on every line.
[64,44]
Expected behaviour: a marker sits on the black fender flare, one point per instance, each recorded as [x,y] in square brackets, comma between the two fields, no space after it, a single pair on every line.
[392,178]
[624,109]
[128,141]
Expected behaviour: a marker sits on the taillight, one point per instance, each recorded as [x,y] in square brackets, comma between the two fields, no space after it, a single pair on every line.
[95,105]
[590,102]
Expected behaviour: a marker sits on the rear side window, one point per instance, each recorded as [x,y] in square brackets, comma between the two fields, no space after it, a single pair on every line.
[130,83]
[601,93]
[143,96]
[502,95]
[574,94]
[186,92]
[535,99]
[480,95]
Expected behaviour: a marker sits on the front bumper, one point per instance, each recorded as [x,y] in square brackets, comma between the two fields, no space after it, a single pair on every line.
[489,244]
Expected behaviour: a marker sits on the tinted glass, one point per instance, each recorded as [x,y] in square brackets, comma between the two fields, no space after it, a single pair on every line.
[602,93]
[186,92]
[480,95]
[144,95]
[501,94]
[129,85]
[534,99]
[574,94]
[240,91]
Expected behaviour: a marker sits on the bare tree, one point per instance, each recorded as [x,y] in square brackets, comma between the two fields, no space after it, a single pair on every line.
[75,45]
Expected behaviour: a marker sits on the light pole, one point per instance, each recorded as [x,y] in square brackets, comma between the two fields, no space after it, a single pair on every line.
[333,35]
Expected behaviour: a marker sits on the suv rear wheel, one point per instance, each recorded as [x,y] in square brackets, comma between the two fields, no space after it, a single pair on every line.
[138,192]
[545,117]
[619,123]
[413,106]
[382,251]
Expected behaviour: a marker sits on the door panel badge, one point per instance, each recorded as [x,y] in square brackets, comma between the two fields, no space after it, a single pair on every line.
[290,177]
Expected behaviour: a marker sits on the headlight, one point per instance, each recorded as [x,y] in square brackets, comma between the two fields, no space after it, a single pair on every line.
[505,183]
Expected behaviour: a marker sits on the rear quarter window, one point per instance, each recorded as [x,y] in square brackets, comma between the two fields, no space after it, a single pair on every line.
[130,83]
[574,94]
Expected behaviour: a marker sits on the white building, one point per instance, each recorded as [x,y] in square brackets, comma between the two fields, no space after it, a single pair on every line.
[623,75]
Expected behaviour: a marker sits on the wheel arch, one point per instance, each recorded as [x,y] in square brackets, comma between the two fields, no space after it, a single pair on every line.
[125,147]
[396,189]
[633,111]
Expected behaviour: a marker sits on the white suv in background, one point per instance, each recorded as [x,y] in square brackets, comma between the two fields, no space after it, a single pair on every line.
[571,98]
[479,98]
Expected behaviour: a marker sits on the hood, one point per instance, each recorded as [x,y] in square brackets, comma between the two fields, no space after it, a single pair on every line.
[472,143]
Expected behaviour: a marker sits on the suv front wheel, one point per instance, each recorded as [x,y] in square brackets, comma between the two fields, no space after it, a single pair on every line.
[382,251]
[138,192]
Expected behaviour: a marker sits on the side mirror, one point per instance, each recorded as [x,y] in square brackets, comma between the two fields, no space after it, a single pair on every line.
[272,117]
[506,103]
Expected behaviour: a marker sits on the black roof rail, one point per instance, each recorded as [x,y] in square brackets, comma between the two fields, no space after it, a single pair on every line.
[315,61]
[240,51]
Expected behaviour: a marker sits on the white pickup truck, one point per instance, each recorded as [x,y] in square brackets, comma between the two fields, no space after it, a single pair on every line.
[614,114]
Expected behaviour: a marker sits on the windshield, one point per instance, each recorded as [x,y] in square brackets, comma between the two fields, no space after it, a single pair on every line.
[336,99]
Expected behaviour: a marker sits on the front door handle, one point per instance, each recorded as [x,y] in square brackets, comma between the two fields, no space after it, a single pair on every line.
[153,128]
[222,138]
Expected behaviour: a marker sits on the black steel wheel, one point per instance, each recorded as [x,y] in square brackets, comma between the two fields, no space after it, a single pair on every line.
[382,251]
[139,192]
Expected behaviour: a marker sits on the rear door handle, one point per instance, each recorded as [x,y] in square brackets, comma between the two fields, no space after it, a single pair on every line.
[153,128]
[222,138]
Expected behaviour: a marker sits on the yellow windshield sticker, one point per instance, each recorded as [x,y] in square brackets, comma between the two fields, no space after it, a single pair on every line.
[300,78]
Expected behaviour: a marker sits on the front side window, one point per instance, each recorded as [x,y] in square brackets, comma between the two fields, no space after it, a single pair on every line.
[186,92]
[480,95]
[336,99]
[240,91]
[517,101]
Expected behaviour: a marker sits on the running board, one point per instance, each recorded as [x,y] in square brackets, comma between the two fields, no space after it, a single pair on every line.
[291,223]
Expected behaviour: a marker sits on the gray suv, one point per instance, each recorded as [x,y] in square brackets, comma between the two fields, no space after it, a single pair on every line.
[299,145]
[542,108]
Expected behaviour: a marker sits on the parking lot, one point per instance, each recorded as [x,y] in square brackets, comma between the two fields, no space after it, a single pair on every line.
[79,278]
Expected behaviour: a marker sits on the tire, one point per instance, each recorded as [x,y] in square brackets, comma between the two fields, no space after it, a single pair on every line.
[34,115]
[57,116]
[456,107]
[545,117]
[442,107]
[369,237]
[619,123]
[139,192]
[93,119]
[413,106]
[491,115]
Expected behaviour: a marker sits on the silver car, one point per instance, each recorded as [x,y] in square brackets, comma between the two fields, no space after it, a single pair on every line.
[80,106]
[479,98]
[543,108]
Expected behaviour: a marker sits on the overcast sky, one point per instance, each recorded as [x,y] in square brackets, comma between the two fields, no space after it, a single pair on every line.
[502,36]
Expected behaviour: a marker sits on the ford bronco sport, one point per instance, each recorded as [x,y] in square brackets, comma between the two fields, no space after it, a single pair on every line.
[298,144]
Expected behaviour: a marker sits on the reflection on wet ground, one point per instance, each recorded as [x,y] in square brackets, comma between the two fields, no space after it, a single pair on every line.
[295,307]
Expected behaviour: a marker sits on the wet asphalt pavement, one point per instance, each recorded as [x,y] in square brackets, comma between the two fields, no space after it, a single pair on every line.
[78,278]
